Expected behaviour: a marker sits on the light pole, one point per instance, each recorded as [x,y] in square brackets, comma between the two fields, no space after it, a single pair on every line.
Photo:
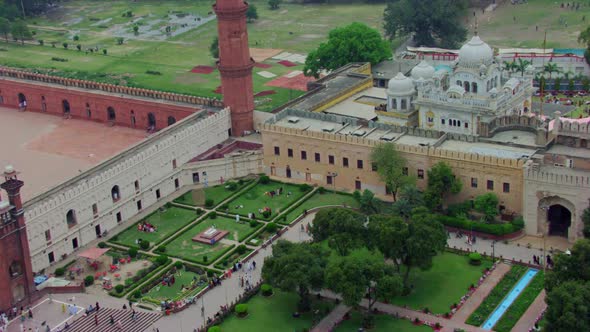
[493,249]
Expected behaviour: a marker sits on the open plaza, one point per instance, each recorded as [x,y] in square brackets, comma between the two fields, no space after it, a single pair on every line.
[169,166]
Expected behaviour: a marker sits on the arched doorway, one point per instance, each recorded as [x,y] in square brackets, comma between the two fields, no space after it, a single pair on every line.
[66,106]
[18,293]
[171,120]
[288,172]
[22,101]
[133,119]
[559,219]
[71,218]
[151,121]
[115,194]
[111,115]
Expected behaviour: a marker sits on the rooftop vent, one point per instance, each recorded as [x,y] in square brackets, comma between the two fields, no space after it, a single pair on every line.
[328,129]
[359,132]
[387,138]
[293,119]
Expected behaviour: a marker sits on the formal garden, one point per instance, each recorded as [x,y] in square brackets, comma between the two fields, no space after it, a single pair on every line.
[382,323]
[155,228]
[320,198]
[212,196]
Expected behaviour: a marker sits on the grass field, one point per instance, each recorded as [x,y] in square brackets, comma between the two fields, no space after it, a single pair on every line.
[217,193]
[294,28]
[255,198]
[317,200]
[167,223]
[185,247]
[442,285]
[383,323]
[162,293]
[270,314]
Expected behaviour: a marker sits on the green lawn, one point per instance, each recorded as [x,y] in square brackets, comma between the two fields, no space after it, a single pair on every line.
[317,200]
[184,247]
[232,258]
[383,323]
[442,285]
[160,292]
[274,314]
[255,199]
[217,193]
[167,223]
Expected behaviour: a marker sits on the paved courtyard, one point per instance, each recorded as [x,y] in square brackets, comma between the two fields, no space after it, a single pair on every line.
[64,148]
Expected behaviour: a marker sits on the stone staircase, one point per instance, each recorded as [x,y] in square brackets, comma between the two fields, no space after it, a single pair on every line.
[86,323]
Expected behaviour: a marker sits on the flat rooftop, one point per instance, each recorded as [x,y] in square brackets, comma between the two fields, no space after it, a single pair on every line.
[48,150]
[488,149]
[515,137]
[569,151]
[361,105]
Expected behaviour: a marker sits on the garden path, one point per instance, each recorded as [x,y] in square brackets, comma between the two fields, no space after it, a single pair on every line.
[332,319]
[481,293]
[531,315]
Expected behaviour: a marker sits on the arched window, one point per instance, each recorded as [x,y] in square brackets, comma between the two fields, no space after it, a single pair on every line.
[466,86]
[111,115]
[404,104]
[66,106]
[22,101]
[474,87]
[15,269]
[171,120]
[394,103]
[151,121]
[133,118]
[458,123]
[43,104]
[459,83]
[71,218]
[88,112]
[115,194]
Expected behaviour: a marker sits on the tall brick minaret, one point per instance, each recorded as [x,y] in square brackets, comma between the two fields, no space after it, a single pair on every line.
[235,63]
[16,273]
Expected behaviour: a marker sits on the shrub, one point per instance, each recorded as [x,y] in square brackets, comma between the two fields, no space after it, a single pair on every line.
[464,223]
[264,179]
[240,182]
[161,260]
[321,190]
[213,215]
[115,238]
[60,271]
[153,72]
[224,206]
[272,227]
[76,38]
[304,187]
[128,282]
[241,249]
[132,252]
[102,245]
[357,195]
[266,213]
[241,309]
[120,41]
[518,223]
[209,202]
[88,281]
[59,59]
[178,265]
[137,294]
[104,51]
[266,289]
[79,47]
[200,211]
[65,45]
[119,289]
[458,209]
[474,258]
[205,258]
[209,273]
[231,186]
[214,329]
[161,249]
[144,244]
[253,223]
[41,42]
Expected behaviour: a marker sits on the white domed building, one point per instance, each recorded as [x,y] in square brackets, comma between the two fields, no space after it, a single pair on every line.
[400,93]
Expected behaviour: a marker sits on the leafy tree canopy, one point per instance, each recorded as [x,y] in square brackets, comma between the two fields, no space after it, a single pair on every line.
[411,198]
[4,27]
[330,222]
[274,4]
[441,182]
[488,205]
[567,307]
[390,165]
[20,30]
[433,22]
[353,43]
[214,48]
[574,267]
[252,13]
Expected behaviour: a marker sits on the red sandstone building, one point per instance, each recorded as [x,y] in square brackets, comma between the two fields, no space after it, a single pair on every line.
[16,275]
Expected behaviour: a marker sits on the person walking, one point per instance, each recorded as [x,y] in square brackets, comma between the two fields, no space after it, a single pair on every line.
[96,319]
[111,320]
[119,325]
[97,306]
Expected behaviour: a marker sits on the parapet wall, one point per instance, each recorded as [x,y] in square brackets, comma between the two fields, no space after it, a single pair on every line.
[558,177]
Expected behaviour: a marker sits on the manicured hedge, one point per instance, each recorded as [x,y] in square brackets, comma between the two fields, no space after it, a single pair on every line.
[142,276]
[496,296]
[521,304]
[466,224]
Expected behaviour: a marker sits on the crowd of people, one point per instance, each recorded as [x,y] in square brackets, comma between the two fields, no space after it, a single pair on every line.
[146,227]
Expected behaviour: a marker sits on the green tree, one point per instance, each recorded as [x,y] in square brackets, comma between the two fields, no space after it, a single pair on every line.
[509,66]
[359,274]
[441,182]
[521,66]
[20,30]
[488,205]
[252,13]
[586,84]
[584,38]
[432,22]
[551,68]
[296,267]
[557,84]
[567,307]
[369,204]
[9,11]
[353,43]
[214,48]
[411,198]
[274,4]
[573,267]
[333,221]
[571,85]
[586,221]
[390,165]
[4,27]
[389,234]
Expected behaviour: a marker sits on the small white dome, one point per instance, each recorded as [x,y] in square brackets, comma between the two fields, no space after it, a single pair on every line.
[475,53]
[8,169]
[400,85]
[423,70]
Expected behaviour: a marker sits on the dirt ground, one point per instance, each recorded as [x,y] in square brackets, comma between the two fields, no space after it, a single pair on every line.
[261,54]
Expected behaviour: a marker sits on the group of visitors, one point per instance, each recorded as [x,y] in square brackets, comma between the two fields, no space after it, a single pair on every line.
[146,227]
[276,192]
[539,260]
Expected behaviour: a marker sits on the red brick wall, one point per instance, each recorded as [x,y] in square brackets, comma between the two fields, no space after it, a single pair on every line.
[99,102]
[11,251]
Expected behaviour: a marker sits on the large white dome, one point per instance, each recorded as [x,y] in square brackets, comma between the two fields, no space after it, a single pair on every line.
[424,70]
[475,53]
[400,85]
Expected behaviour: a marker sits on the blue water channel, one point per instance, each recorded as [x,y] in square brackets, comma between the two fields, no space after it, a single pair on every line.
[509,299]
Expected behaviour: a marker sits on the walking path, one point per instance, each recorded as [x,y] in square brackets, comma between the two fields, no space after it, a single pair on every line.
[333,318]
[532,313]
[481,293]
[123,320]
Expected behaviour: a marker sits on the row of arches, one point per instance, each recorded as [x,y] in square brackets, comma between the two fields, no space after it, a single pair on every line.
[72,220]
[468,87]
[111,112]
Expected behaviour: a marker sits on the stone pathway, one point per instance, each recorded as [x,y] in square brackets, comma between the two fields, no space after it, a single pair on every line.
[530,316]
[333,318]
[481,293]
